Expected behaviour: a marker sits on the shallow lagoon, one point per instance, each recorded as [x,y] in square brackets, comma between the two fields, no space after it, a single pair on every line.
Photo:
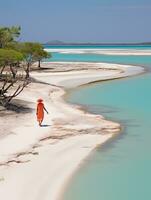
[120,169]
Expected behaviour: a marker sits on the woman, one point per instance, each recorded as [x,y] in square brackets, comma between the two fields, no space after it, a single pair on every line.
[40,111]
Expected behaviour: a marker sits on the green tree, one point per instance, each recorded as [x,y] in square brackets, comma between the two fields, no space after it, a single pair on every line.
[40,54]
[10,58]
[16,59]
[32,52]
[11,83]
[8,35]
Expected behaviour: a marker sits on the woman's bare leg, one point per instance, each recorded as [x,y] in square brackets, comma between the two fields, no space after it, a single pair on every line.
[40,122]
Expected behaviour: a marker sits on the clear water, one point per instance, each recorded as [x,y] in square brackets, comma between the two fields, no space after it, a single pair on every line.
[120,169]
[98,46]
[136,60]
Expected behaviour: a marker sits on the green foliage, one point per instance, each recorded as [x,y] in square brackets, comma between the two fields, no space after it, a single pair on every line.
[41,54]
[33,51]
[16,59]
[8,35]
[8,56]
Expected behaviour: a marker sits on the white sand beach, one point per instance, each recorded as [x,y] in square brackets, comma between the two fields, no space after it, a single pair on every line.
[36,162]
[124,52]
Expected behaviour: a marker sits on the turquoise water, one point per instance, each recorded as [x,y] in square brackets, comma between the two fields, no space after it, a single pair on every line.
[138,60]
[121,168]
[98,46]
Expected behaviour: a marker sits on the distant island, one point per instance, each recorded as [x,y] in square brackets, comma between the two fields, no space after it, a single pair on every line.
[58,42]
[55,42]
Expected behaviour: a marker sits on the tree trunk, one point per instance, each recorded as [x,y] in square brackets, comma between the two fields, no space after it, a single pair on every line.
[39,66]
[2,69]
[27,70]
[12,71]
[18,64]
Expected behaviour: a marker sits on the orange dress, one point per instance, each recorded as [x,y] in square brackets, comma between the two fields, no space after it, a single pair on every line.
[40,112]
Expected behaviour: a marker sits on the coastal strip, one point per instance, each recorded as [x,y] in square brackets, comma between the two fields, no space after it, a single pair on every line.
[99,51]
[39,161]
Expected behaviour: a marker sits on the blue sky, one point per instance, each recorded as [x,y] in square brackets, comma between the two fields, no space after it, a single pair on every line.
[79,20]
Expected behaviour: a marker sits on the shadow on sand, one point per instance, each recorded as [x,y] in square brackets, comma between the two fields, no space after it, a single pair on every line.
[45,125]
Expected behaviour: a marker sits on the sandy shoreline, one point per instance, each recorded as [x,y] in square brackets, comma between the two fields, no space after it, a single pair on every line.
[38,161]
[124,52]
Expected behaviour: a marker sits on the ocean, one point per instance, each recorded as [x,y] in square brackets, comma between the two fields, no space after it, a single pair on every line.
[120,169]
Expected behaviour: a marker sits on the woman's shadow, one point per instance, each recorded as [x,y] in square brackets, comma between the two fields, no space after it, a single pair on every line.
[45,125]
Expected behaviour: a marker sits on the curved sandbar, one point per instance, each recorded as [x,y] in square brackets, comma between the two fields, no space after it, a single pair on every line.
[48,156]
[122,52]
